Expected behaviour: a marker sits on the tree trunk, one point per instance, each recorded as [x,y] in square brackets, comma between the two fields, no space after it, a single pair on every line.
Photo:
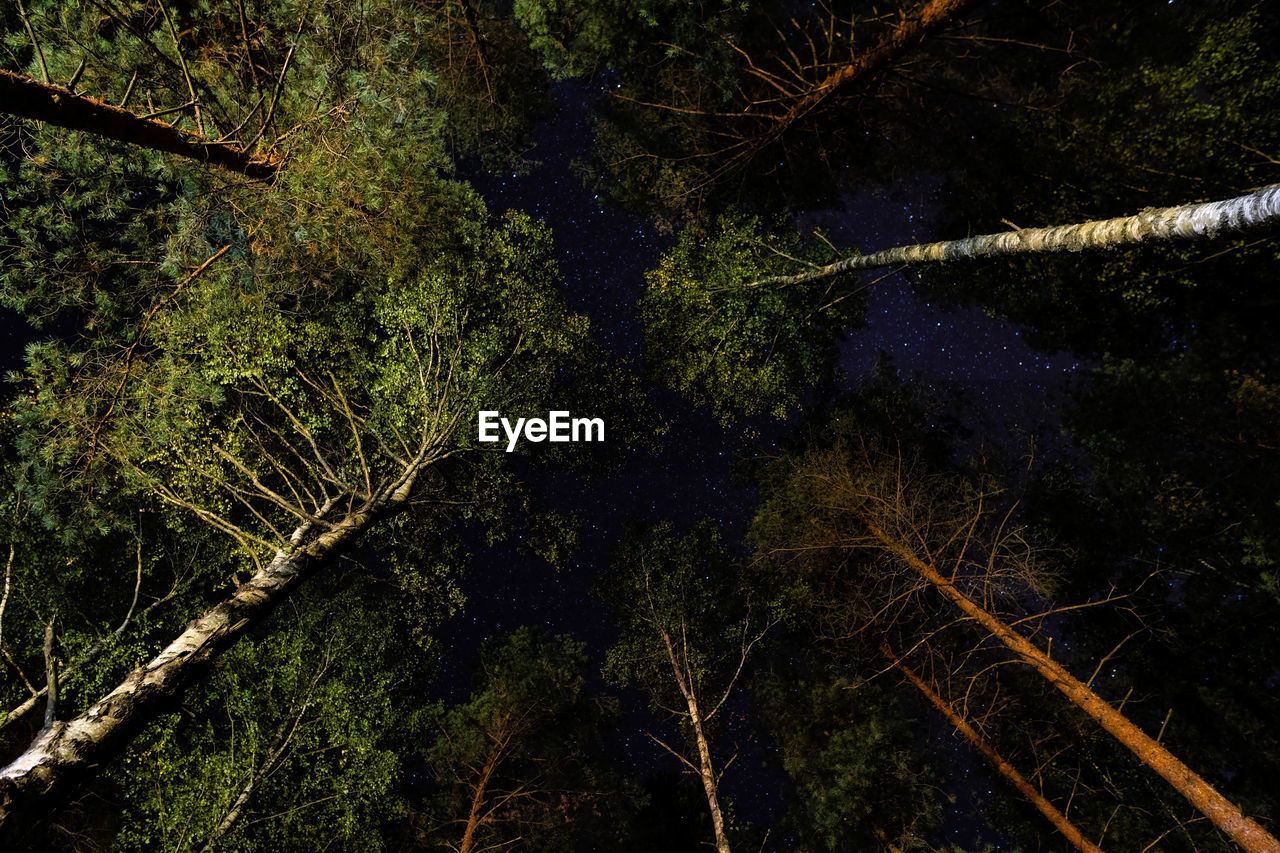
[28,705]
[933,16]
[474,816]
[708,775]
[246,791]
[477,39]
[1185,222]
[705,769]
[66,753]
[1226,816]
[22,96]
[1046,808]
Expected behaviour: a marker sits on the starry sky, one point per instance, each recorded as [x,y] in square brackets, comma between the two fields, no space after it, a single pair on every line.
[603,253]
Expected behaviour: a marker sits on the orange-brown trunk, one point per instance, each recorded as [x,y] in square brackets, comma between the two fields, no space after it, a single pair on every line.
[1008,771]
[1226,816]
[28,98]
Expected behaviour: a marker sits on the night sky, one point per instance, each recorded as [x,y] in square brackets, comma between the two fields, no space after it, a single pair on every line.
[1009,391]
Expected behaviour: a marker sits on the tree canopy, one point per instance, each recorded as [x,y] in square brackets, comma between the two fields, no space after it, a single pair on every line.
[931,345]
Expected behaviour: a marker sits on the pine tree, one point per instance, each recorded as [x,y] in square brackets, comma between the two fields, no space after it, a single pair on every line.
[853,496]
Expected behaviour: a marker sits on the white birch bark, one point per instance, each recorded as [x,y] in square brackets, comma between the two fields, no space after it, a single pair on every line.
[63,753]
[1184,222]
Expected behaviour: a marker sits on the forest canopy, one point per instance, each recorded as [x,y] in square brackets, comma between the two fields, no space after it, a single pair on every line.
[932,342]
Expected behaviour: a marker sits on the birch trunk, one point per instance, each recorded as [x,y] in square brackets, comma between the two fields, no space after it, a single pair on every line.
[28,705]
[708,775]
[1224,815]
[27,98]
[65,753]
[1004,768]
[705,769]
[1184,222]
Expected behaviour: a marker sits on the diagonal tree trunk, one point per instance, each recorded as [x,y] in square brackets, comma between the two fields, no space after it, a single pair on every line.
[1008,771]
[20,712]
[28,98]
[1184,222]
[277,749]
[64,754]
[1225,815]
[907,35]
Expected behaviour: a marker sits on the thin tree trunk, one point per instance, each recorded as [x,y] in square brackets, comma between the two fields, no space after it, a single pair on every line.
[28,98]
[477,39]
[706,769]
[907,35]
[708,776]
[1225,815]
[283,733]
[1184,222]
[1046,808]
[66,753]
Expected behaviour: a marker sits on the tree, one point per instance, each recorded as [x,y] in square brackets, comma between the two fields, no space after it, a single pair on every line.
[268,447]
[752,344]
[334,477]
[518,761]
[741,348]
[298,738]
[951,539]
[238,87]
[688,621]
[487,80]
[576,38]
[797,102]
[1004,768]
[1186,222]
[721,85]
[28,98]
[860,776]
[292,364]
[1172,102]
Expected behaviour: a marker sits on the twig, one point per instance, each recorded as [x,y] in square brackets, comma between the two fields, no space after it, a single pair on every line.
[26,22]
[51,676]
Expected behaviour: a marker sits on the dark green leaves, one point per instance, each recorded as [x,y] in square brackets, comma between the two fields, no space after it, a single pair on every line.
[743,349]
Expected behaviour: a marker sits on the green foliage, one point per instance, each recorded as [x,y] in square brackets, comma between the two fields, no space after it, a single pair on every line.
[292,382]
[860,777]
[688,589]
[316,715]
[117,591]
[519,759]
[580,37]
[743,349]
